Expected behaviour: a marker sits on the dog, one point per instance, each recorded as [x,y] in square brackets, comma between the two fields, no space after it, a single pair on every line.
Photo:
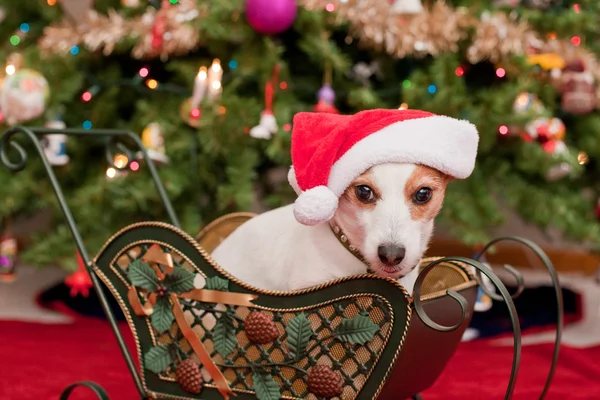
[387,214]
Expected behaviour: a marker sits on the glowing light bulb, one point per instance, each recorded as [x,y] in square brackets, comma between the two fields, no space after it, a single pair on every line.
[216,65]
[111,173]
[134,166]
[10,69]
[195,113]
[152,83]
[582,158]
[330,7]
[576,40]
[87,96]
[460,71]
[403,106]
[503,129]
[51,2]
[216,85]
[287,127]
[283,85]
[202,74]
[121,161]
[144,72]
[500,72]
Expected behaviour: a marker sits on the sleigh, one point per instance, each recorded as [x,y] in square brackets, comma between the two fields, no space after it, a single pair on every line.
[200,333]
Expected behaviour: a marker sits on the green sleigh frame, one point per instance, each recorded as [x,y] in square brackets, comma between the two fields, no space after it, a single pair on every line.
[376,365]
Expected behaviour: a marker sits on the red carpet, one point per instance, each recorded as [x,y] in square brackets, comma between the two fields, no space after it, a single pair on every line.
[38,361]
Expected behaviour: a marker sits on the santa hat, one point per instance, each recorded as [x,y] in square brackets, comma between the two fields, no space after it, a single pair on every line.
[329,151]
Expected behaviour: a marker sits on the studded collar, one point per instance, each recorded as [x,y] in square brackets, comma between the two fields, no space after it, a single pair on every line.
[343,239]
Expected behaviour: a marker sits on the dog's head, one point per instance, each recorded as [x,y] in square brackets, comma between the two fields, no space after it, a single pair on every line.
[387,214]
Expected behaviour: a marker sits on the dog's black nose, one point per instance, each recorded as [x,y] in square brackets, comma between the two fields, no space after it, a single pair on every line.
[390,254]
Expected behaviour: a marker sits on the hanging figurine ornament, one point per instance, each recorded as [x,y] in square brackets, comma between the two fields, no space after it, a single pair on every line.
[55,145]
[326,95]
[159,27]
[154,142]
[577,88]
[80,281]
[267,125]
[545,129]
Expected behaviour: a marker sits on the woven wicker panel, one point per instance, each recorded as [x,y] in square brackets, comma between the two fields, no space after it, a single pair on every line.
[214,233]
[354,362]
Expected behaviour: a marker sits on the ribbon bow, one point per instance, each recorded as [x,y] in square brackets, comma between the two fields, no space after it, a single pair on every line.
[155,257]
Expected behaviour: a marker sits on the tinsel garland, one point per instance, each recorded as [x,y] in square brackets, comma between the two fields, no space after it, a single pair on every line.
[437,29]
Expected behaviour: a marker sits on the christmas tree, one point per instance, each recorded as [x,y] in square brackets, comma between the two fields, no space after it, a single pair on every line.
[212,86]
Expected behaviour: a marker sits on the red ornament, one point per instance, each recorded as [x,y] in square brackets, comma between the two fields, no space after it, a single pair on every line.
[160,26]
[79,281]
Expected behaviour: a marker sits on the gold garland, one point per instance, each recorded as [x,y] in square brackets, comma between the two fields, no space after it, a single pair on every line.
[438,28]
[104,32]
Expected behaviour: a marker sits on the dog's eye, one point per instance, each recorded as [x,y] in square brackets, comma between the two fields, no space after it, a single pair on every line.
[422,195]
[364,193]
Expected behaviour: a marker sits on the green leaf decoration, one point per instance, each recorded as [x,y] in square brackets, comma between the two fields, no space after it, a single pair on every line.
[299,332]
[158,358]
[162,315]
[179,281]
[142,275]
[265,386]
[358,330]
[224,336]
[217,283]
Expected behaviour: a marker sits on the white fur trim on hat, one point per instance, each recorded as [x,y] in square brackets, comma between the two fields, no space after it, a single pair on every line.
[293,182]
[315,206]
[443,143]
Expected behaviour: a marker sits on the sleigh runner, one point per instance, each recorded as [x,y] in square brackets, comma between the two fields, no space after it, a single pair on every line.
[360,337]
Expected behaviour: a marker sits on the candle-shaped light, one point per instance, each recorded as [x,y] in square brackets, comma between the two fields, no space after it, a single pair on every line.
[215,73]
[200,86]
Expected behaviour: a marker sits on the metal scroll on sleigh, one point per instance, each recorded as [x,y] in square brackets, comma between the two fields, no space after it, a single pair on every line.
[201,333]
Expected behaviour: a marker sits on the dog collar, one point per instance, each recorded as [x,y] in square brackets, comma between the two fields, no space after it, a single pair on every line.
[343,239]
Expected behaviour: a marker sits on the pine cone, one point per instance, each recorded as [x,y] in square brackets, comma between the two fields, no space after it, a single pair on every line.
[260,328]
[189,376]
[323,382]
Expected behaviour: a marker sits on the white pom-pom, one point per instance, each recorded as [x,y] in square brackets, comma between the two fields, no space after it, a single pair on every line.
[315,206]
[260,132]
[268,121]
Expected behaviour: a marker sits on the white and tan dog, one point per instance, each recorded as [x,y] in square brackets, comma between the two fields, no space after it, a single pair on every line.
[368,208]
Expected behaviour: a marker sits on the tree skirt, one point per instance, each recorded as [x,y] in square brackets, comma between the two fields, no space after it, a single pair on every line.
[39,360]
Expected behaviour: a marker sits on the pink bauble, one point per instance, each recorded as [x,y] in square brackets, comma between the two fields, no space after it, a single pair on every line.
[271,16]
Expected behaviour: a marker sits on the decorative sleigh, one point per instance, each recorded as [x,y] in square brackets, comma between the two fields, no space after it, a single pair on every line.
[203,334]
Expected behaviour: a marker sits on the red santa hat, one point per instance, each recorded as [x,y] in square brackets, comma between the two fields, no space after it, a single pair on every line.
[329,151]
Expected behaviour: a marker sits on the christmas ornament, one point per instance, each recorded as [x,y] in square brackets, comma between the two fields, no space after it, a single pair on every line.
[271,17]
[323,382]
[80,281]
[362,72]
[153,140]
[23,96]
[190,114]
[159,26]
[326,98]
[8,254]
[260,329]
[407,6]
[577,88]
[55,145]
[547,61]
[188,376]
[267,125]
[528,103]
[545,129]
[77,10]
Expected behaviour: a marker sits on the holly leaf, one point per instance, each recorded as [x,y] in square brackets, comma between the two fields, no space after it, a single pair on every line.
[180,280]
[162,316]
[224,337]
[142,275]
[158,358]
[358,330]
[299,332]
[265,386]
[217,283]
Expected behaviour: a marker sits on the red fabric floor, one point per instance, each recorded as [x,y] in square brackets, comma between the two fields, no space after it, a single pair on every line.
[38,361]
